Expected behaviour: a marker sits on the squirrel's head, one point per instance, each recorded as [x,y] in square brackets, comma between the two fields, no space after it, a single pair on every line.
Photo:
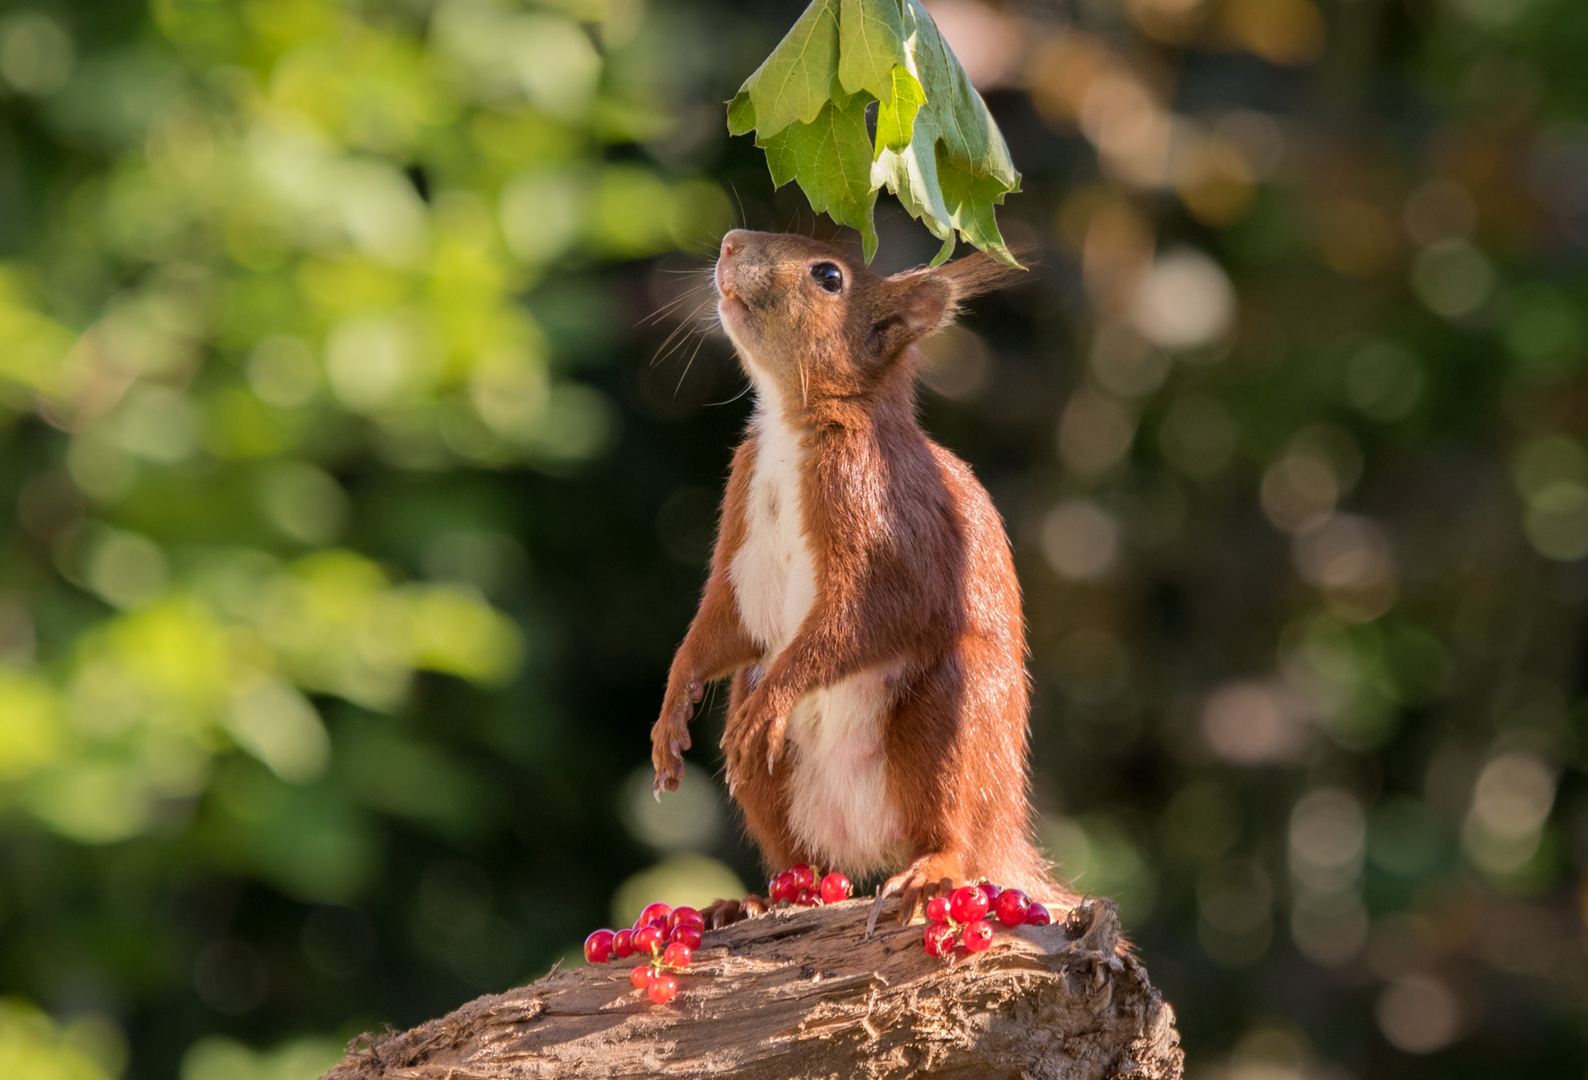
[812,322]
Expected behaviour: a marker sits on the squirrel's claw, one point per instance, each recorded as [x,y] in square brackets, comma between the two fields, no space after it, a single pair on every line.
[774,744]
[669,769]
[669,739]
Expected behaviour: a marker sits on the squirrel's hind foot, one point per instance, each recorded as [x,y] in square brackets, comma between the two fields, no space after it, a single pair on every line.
[929,876]
[722,913]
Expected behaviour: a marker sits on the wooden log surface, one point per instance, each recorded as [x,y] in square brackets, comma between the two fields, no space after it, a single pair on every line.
[802,993]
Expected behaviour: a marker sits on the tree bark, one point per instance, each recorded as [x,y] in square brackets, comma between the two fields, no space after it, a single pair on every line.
[802,993]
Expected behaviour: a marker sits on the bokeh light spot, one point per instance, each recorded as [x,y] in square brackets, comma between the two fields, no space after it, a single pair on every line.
[1185,301]
[1328,838]
[1095,433]
[1383,381]
[1250,723]
[1080,540]
[35,53]
[277,725]
[688,819]
[1418,1014]
[1452,278]
[127,570]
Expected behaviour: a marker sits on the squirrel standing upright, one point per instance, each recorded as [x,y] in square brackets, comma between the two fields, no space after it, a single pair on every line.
[861,595]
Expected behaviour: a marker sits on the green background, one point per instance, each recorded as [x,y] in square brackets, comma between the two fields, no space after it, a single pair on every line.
[356,501]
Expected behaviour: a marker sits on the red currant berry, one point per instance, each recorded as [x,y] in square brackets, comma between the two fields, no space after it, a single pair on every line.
[937,909]
[647,939]
[938,939]
[835,887]
[978,935]
[1037,915]
[653,913]
[806,898]
[640,976]
[685,916]
[991,890]
[663,988]
[622,944]
[677,955]
[1011,907]
[685,935]
[598,947]
[804,876]
[967,904]
[783,887]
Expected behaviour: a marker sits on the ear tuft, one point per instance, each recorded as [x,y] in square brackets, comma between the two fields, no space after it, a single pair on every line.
[922,302]
[928,300]
[979,273]
[925,303]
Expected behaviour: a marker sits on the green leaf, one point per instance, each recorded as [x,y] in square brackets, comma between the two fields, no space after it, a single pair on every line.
[961,167]
[896,118]
[912,176]
[797,79]
[970,200]
[741,114]
[936,146]
[871,46]
[831,159]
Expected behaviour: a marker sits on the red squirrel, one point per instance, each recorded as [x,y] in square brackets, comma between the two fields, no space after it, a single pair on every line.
[861,595]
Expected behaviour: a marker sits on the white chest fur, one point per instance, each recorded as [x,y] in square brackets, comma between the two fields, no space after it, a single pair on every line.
[839,807]
[773,574]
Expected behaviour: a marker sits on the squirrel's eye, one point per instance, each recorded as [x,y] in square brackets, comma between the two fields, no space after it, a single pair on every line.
[828,276]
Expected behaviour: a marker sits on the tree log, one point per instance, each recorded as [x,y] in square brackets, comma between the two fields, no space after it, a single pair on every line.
[802,993]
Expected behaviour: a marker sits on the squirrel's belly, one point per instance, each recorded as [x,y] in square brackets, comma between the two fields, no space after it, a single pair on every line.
[840,808]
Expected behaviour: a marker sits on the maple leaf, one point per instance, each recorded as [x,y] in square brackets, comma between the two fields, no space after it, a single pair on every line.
[935,145]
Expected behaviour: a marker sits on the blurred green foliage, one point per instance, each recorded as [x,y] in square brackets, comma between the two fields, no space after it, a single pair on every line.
[364,462]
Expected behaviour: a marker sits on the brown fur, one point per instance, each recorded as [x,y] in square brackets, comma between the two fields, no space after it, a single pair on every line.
[912,566]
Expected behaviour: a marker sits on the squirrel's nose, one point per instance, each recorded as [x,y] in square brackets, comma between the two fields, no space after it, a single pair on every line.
[733,243]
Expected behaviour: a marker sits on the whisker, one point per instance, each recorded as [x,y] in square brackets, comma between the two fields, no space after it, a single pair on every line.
[669,348]
[730,401]
[667,308]
[704,281]
[679,337]
[687,365]
[661,350]
[689,290]
[677,301]
[744,222]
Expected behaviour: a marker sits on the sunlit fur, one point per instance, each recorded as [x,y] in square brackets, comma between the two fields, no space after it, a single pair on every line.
[862,594]
[839,773]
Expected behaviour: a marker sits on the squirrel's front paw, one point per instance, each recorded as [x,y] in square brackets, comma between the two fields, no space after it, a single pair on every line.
[670,736]
[754,735]
[740,739]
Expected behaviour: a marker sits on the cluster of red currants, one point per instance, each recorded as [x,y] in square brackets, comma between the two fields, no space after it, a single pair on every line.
[797,885]
[667,936]
[963,913]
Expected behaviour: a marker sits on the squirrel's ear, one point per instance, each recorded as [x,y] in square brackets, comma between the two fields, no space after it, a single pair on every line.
[922,302]
[916,304]
[925,303]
